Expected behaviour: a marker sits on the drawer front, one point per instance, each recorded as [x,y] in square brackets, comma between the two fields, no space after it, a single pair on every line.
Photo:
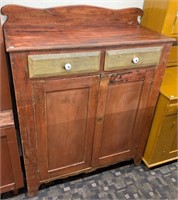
[173,109]
[132,58]
[47,65]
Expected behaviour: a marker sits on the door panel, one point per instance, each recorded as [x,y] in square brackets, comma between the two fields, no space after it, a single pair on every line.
[121,108]
[65,112]
[172,127]
[166,147]
[66,117]
[122,100]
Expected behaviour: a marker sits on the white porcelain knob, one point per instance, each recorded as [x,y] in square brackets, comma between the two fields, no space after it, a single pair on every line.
[135,60]
[67,66]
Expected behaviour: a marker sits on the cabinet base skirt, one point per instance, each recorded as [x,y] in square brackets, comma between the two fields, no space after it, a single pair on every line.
[150,165]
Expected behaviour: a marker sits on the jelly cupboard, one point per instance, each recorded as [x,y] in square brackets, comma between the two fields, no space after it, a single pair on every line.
[162,143]
[86,84]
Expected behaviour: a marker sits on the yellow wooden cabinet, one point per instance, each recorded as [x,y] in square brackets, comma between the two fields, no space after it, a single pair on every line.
[162,16]
[162,143]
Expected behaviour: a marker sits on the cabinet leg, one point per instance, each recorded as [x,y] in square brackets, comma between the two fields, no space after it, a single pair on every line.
[137,161]
[32,191]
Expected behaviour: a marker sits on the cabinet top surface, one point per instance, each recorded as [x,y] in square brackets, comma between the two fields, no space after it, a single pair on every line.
[74,27]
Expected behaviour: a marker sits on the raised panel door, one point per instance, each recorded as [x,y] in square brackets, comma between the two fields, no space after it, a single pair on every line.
[65,112]
[166,146]
[122,100]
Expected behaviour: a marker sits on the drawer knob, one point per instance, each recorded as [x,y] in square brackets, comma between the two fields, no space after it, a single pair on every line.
[67,66]
[135,60]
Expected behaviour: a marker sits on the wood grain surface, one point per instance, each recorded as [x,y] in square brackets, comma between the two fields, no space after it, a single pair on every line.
[74,27]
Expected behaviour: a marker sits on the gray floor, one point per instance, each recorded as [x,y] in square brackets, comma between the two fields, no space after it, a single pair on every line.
[122,181]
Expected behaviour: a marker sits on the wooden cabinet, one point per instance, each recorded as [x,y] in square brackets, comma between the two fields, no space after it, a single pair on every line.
[85,99]
[163,18]
[5,97]
[11,174]
[10,169]
[162,142]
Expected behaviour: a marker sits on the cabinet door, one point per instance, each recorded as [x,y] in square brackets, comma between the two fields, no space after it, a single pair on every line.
[10,168]
[65,115]
[166,147]
[122,102]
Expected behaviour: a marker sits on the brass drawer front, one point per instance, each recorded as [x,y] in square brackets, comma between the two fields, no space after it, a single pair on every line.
[47,65]
[125,58]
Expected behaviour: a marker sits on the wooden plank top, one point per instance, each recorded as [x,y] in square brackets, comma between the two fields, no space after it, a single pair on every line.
[74,27]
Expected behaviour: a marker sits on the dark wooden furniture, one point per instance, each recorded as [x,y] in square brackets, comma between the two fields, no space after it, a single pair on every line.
[10,168]
[86,82]
[5,102]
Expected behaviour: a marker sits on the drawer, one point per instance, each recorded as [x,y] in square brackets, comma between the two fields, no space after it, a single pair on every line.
[132,58]
[47,65]
[173,109]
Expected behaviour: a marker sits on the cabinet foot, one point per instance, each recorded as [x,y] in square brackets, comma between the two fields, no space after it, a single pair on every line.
[137,161]
[32,191]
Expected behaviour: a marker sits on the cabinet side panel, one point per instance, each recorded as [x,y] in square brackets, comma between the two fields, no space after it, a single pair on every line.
[66,124]
[5,97]
[154,14]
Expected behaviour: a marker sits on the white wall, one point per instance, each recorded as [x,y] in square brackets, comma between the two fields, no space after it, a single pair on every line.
[115,4]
